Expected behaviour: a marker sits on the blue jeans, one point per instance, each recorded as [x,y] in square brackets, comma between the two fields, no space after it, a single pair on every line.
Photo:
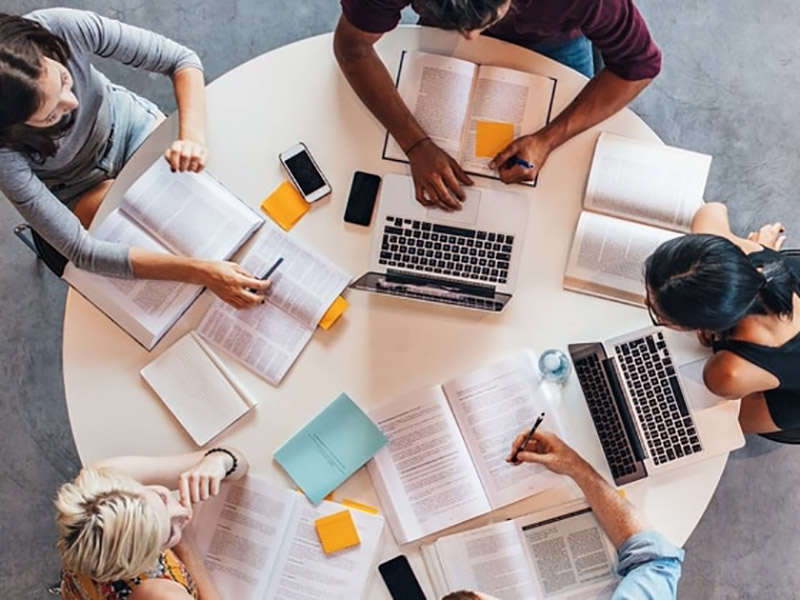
[575,54]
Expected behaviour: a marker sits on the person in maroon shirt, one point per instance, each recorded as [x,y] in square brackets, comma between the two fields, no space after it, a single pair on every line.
[556,28]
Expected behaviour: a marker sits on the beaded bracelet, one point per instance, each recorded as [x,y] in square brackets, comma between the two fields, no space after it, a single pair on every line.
[229,453]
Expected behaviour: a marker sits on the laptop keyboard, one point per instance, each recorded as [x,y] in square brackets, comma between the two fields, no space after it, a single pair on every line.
[656,395]
[445,250]
[607,422]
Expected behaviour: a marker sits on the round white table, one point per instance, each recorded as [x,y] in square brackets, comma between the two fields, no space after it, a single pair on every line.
[381,347]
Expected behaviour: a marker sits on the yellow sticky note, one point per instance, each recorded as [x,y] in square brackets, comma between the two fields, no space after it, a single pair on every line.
[329,497]
[622,493]
[337,531]
[492,137]
[358,506]
[285,205]
[334,312]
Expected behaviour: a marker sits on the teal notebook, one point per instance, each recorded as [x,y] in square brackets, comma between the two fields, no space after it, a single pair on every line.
[333,446]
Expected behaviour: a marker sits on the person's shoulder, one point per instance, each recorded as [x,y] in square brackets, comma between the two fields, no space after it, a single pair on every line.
[729,375]
[159,589]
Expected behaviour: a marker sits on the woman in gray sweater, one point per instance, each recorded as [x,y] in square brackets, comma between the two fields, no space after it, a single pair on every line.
[66,131]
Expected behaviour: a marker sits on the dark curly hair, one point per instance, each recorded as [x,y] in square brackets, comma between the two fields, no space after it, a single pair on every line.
[460,15]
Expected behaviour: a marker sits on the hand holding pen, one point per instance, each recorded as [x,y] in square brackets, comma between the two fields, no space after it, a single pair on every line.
[525,441]
[267,275]
[549,451]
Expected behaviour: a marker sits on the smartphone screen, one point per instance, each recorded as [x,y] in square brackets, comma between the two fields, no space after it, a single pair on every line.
[305,173]
[400,579]
[361,202]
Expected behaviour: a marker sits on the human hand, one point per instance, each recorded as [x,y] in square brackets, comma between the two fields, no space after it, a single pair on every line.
[202,480]
[533,148]
[549,450]
[186,155]
[233,284]
[437,177]
[771,235]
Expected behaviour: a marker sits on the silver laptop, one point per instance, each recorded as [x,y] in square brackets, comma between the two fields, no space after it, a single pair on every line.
[649,405]
[468,258]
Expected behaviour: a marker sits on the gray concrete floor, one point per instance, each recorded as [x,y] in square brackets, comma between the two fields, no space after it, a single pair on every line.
[730,79]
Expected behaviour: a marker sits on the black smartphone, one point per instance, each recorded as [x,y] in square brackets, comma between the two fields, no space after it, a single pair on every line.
[361,202]
[400,579]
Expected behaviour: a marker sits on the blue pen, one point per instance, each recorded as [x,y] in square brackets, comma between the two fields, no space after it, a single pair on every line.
[516,160]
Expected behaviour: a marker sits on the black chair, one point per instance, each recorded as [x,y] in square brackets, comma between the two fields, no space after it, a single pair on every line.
[51,257]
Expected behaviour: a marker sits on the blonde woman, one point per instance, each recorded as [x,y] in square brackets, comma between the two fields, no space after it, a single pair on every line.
[120,526]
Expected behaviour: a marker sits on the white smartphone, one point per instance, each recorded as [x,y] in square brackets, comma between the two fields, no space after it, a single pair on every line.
[304,172]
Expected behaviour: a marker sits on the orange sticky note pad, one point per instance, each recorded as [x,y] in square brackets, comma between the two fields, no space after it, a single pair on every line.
[285,205]
[334,312]
[337,531]
[492,137]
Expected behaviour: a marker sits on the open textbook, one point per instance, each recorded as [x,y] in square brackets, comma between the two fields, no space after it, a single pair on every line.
[448,96]
[188,214]
[445,460]
[639,194]
[259,543]
[560,553]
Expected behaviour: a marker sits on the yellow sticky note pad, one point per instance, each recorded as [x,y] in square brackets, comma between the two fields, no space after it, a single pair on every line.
[285,205]
[337,531]
[492,137]
[334,312]
[358,506]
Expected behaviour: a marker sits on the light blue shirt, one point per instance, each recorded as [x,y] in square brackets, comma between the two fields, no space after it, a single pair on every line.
[650,566]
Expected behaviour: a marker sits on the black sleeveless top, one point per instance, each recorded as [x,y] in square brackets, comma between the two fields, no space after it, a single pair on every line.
[783,361]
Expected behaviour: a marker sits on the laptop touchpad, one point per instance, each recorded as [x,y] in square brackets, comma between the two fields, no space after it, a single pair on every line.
[697,394]
[468,215]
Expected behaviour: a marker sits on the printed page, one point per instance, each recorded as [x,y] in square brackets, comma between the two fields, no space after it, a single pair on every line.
[491,559]
[608,255]
[646,182]
[240,533]
[492,406]
[195,390]
[305,572]
[570,554]
[305,284]
[437,91]
[145,308]
[507,96]
[262,337]
[424,477]
[190,213]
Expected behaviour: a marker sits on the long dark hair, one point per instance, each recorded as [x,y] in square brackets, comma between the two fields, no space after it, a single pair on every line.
[23,44]
[705,281]
[460,15]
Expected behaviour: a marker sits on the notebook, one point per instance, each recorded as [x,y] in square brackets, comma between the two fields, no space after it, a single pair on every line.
[187,214]
[333,446]
[258,542]
[445,460]
[198,389]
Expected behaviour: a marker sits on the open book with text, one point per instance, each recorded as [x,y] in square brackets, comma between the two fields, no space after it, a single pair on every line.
[639,194]
[449,96]
[559,553]
[187,214]
[258,542]
[445,460]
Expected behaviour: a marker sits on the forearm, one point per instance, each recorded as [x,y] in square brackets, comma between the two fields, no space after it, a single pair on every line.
[190,95]
[193,562]
[148,264]
[605,95]
[615,514]
[367,75]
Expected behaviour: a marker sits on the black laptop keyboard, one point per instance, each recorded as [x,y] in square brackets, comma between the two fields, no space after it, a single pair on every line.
[445,250]
[648,370]
[607,422]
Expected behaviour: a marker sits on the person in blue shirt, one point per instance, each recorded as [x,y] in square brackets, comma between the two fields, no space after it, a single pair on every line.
[650,565]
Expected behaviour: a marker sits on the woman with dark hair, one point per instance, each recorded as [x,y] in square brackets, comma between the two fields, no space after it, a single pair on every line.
[741,296]
[66,131]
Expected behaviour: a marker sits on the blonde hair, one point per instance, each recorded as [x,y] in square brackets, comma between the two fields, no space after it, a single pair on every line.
[107,529]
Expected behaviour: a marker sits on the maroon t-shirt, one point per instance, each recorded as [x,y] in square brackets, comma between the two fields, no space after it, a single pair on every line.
[615,27]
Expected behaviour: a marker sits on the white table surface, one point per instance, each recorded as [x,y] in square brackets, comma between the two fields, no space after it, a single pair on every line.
[381,347]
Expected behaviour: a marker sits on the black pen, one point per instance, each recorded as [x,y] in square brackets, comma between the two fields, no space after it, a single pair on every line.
[271,270]
[529,438]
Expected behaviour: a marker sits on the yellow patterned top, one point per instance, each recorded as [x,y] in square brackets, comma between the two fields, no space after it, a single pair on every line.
[81,587]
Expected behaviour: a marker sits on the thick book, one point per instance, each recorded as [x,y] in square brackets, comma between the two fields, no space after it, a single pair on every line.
[559,554]
[445,460]
[197,388]
[639,194]
[450,96]
[186,214]
[267,338]
[259,543]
